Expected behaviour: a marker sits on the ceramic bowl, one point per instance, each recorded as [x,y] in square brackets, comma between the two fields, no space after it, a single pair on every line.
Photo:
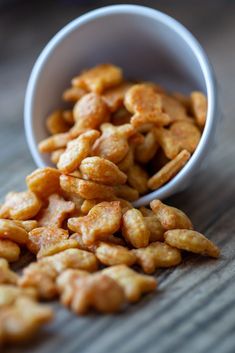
[148,45]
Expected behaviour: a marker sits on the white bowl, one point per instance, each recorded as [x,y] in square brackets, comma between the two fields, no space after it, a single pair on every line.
[148,45]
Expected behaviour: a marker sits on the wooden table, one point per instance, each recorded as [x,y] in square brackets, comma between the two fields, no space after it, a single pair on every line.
[194,309]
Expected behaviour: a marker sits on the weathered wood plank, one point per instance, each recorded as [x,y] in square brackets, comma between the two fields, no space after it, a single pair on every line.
[195,296]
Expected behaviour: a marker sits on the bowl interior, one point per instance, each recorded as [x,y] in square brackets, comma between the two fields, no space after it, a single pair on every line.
[145,43]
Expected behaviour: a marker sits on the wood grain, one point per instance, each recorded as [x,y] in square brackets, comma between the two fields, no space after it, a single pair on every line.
[194,309]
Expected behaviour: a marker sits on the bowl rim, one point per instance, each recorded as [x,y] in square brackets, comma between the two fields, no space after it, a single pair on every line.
[191,166]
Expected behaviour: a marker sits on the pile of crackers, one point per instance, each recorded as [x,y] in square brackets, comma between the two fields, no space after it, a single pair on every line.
[115,141]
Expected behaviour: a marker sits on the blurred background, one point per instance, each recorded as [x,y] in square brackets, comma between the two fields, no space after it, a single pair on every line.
[27,26]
